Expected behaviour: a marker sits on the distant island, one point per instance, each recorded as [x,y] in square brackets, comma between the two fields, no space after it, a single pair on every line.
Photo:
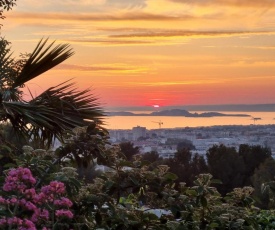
[205,108]
[177,112]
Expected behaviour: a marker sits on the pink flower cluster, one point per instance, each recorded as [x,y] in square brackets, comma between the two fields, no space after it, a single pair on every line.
[64,213]
[24,224]
[38,205]
[18,180]
[63,201]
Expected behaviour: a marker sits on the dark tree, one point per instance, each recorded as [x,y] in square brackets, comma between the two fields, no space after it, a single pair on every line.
[128,149]
[253,156]
[226,165]
[152,156]
[197,166]
[183,156]
[264,173]
[185,144]
[186,167]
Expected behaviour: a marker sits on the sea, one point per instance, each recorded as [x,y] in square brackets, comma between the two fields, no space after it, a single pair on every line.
[169,122]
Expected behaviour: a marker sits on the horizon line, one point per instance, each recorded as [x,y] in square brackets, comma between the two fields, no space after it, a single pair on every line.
[267,107]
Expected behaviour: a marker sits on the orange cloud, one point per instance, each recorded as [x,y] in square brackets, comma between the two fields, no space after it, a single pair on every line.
[120,69]
[237,3]
[112,67]
[186,33]
[131,16]
[108,42]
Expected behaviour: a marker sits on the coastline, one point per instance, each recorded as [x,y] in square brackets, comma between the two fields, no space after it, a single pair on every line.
[176,112]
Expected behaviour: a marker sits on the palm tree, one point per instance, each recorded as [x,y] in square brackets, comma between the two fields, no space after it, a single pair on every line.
[55,111]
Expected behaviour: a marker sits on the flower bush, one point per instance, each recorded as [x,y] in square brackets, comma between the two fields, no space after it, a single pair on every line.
[23,206]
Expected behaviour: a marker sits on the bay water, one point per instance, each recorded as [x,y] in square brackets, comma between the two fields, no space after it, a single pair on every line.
[152,122]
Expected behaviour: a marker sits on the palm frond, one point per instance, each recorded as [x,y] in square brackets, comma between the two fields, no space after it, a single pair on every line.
[71,103]
[55,111]
[42,59]
[7,73]
[6,70]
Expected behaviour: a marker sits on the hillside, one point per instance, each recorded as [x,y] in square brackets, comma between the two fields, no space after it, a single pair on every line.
[177,112]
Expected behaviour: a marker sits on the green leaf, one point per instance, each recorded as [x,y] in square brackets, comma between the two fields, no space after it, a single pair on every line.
[10,165]
[216,181]
[5,147]
[150,216]
[204,202]
[75,182]
[213,225]
[109,184]
[125,163]
[200,190]
[170,176]
[122,200]
[191,192]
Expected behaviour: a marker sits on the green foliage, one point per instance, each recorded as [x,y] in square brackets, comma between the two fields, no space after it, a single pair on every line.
[181,143]
[235,169]
[133,195]
[253,156]
[263,174]
[269,189]
[6,157]
[151,156]
[185,144]
[186,166]
[85,147]
[183,156]
[266,219]
[129,196]
[128,149]
[226,165]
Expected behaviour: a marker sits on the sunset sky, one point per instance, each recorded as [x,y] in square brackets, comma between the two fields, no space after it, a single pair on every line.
[155,52]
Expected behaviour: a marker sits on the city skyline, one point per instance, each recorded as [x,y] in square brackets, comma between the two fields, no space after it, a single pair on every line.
[155,52]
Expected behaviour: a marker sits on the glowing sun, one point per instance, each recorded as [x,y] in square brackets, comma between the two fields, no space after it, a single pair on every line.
[156,106]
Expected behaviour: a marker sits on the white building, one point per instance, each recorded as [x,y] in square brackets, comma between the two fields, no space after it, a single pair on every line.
[138,132]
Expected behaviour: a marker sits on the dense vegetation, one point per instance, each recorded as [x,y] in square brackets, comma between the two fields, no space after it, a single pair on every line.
[247,166]
[134,194]
[64,189]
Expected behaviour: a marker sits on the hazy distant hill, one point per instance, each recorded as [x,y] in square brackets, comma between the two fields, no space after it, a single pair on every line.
[177,112]
[233,108]
[221,108]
